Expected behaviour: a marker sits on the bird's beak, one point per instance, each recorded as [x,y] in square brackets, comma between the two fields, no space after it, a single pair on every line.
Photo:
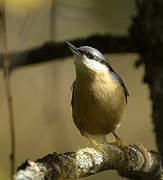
[73,49]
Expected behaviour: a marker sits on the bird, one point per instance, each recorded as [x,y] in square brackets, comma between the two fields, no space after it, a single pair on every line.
[99,95]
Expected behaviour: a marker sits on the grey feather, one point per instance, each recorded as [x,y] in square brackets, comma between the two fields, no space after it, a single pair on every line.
[116,77]
[72,98]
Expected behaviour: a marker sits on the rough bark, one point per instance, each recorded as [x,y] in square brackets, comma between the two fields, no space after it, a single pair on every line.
[147,34]
[132,161]
[51,51]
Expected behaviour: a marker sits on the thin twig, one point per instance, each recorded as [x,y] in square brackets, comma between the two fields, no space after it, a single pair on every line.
[8,88]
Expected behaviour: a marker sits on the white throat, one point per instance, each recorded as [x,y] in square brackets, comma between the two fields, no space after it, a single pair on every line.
[89,64]
[94,65]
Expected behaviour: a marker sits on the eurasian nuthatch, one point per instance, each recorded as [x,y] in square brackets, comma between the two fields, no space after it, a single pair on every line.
[99,96]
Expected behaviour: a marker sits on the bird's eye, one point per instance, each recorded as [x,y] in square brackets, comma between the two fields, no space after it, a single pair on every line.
[90,56]
[102,61]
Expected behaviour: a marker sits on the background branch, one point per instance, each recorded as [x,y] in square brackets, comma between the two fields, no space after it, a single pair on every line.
[6,71]
[131,161]
[52,51]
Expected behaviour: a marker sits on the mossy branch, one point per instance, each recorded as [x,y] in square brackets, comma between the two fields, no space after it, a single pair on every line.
[132,161]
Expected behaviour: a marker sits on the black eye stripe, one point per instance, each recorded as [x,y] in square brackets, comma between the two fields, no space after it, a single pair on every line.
[89,55]
[92,56]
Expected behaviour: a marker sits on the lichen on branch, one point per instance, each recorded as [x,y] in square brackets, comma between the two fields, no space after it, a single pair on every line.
[129,161]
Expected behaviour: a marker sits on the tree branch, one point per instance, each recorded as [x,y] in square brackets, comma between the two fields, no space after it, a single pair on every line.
[52,51]
[130,161]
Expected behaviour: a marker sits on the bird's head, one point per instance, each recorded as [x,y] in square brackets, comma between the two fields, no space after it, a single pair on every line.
[89,59]
[92,62]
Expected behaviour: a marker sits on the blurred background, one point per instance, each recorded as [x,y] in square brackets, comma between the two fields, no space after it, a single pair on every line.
[42,93]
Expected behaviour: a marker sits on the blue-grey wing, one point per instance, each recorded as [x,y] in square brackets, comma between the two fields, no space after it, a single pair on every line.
[72,98]
[116,77]
[124,88]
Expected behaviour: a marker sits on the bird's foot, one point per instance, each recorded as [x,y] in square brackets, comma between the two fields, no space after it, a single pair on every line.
[98,146]
[120,143]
